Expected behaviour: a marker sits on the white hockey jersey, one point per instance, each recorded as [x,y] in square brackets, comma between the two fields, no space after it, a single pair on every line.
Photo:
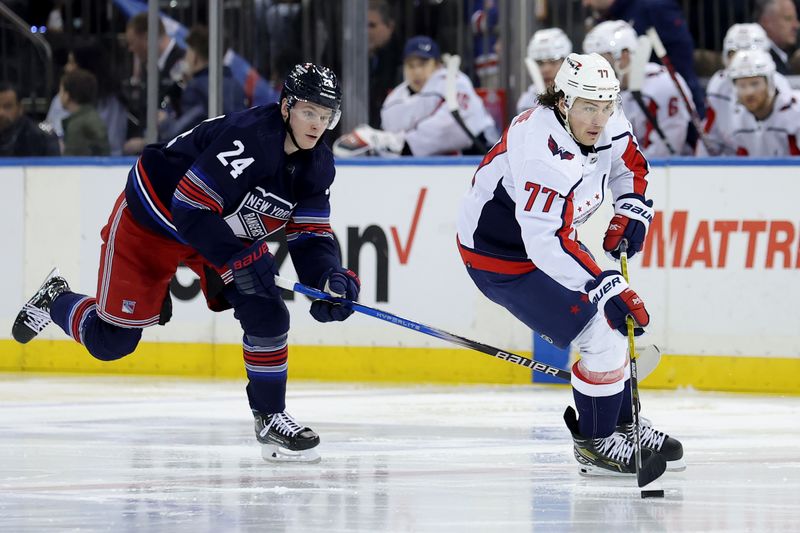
[665,103]
[535,186]
[776,135]
[528,99]
[424,117]
[721,101]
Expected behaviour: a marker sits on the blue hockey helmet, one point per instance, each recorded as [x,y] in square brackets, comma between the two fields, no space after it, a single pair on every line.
[308,82]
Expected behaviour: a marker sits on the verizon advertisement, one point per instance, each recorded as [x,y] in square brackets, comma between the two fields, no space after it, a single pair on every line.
[719,273]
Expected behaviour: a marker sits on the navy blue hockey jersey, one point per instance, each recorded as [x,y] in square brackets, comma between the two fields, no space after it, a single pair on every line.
[228,181]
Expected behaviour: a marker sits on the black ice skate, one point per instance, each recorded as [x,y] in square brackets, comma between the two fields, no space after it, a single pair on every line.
[35,314]
[607,456]
[284,440]
[659,442]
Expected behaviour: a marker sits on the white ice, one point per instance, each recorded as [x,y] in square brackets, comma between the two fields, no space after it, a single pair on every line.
[167,455]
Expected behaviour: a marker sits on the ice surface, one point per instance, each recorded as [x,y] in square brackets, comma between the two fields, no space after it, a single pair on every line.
[152,455]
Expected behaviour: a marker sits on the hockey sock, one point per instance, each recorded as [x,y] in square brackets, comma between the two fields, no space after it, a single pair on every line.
[597,415]
[265,359]
[76,314]
[626,409]
[70,311]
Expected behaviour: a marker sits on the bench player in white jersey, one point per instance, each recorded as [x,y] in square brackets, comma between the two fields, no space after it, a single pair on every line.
[616,41]
[517,236]
[414,117]
[766,121]
[546,51]
[721,99]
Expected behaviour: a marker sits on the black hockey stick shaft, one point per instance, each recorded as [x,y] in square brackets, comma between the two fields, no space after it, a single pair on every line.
[637,96]
[536,366]
[661,53]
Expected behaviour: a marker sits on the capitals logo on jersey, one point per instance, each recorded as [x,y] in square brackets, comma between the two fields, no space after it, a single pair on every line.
[261,213]
[556,150]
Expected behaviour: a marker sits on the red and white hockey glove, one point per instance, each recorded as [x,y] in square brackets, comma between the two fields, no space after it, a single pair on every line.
[630,222]
[254,271]
[610,292]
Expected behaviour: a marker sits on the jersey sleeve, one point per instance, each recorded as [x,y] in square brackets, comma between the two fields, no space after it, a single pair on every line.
[672,116]
[543,197]
[629,168]
[402,111]
[225,170]
[311,241]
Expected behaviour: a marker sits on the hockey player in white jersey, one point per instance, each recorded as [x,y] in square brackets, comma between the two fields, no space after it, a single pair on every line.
[616,41]
[414,117]
[721,98]
[765,121]
[517,237]
[546,51]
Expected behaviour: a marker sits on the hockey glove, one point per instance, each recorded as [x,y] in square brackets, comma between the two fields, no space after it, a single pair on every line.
[339,282]
[254,271]
[610,292]
[365,140]
[632,217]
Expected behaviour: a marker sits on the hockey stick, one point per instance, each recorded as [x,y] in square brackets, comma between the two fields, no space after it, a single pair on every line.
[453,63]
[650,356]
[661,53]
[636,81]
[536,75]
[655,465]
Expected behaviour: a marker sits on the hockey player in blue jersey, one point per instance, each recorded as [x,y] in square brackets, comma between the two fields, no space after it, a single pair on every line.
[206,199]
[517,236]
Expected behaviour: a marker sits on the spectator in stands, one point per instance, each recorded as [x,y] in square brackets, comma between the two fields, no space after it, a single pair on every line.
[666,16]
[485,21]
[170,72]
[193,107]
[110,104]
[385,57]
[19,135]
[779,20]
[84,131]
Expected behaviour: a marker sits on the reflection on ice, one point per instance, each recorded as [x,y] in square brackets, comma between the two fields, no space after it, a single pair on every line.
[135,454]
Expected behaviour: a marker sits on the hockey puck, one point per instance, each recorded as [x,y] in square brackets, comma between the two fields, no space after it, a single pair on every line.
[652,494]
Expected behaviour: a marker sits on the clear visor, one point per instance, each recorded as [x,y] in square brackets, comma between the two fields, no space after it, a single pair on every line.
[317,114]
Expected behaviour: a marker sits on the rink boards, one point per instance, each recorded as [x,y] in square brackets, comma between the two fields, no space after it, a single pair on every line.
[719,276]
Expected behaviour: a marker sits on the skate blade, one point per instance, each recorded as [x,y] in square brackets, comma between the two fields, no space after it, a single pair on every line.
[592,471]
[676,466]
[275,454]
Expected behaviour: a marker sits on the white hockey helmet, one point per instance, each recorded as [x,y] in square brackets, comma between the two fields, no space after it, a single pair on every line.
[611,37]
[549,44]
[587,76]
[751,64]
[744,37]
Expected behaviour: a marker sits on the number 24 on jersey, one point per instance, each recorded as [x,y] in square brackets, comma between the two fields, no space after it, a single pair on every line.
[237,165]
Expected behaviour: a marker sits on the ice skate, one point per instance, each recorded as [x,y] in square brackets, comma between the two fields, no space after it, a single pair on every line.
[283,440]
[35,314]
[606,456]
[659,442]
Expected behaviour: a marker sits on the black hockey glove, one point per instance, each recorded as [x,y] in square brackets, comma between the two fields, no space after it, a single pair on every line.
[632,217]
[254,271]
[339,282]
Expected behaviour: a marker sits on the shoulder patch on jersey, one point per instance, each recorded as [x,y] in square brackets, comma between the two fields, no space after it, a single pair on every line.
[556,150]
